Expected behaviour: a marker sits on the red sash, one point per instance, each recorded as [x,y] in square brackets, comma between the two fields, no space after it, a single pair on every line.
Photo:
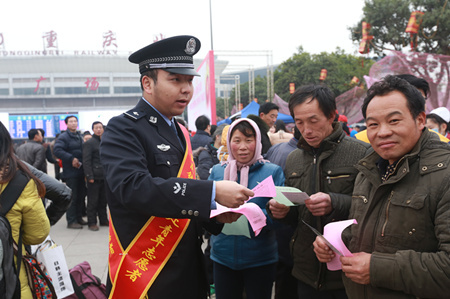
[133,271]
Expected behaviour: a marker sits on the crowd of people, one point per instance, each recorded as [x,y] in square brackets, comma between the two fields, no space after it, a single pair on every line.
[161,183]
[79,158]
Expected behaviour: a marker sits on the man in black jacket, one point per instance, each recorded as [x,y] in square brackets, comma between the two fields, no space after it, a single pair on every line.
[68,148]
[93,169]
[154,200]
[202,137]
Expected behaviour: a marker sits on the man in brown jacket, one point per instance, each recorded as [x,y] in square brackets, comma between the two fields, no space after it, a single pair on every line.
[401,199]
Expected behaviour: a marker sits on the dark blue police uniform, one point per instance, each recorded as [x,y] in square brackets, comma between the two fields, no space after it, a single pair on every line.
[141,157]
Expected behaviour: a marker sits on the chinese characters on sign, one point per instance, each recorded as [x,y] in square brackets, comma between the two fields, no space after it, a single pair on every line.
[92,83]
[51,48]
[38,83]
[50,40]
[109,39]
[158,38]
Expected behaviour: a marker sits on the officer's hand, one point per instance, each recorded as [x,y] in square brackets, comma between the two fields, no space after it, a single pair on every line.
[319,204]
[231,194]
[228,217]
[279,210]
[323,253]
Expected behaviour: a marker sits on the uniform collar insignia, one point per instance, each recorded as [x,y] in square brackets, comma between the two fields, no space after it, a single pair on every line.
[190,47]
[163,147]
[153,119]
[135,113]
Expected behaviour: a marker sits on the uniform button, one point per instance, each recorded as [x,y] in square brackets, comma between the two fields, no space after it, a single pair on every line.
[329,171]
[440,165]
[190,212]
[168,162]
[408,201]
[365,200]
[196,213]
[404,170]
[183,212]
[413,230]
[410,233]
[424,168]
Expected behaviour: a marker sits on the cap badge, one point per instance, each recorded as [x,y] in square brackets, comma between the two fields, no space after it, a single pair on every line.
[153,119]
[190,46]
[163,147]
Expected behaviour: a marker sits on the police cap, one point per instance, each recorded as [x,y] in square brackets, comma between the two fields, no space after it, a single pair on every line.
[173,54]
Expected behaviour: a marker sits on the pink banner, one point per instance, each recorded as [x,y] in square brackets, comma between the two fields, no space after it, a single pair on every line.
[204,99]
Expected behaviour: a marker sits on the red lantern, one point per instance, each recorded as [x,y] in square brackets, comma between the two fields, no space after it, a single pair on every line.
[291,88]
[365,31]
[364,44]
[323,75]
[354,81]
[415,20]
[363,47]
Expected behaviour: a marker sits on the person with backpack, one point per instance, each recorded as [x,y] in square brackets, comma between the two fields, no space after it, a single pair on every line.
[27,216]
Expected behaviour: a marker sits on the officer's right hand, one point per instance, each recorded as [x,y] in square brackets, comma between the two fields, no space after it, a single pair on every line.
[279,210]
[231,194]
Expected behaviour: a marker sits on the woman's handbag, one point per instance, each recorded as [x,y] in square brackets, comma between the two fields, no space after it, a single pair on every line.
[38,279]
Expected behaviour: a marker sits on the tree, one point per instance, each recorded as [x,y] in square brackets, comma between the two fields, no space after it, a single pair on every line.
[389,19]
[303,68]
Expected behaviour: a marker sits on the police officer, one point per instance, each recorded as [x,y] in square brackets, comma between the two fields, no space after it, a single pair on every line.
[150,190]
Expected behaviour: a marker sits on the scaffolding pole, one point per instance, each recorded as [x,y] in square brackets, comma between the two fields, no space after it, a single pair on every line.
[267,53]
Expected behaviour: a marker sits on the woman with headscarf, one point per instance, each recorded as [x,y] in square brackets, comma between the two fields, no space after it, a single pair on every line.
[28,213]
[242,262]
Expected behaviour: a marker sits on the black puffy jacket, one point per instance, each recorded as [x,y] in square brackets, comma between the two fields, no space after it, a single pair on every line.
[56,191]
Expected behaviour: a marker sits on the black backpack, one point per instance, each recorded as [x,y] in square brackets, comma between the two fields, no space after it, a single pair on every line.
[9,282]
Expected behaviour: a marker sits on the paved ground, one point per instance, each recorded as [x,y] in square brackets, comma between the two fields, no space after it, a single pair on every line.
[81,245]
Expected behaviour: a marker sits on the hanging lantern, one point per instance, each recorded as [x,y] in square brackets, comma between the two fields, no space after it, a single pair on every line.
[365,31]
[363,47]
[415,20]
[291,88]
[355,81]
[323,75]
[364,44]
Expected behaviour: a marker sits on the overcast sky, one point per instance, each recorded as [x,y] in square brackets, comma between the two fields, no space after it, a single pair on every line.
[279,26]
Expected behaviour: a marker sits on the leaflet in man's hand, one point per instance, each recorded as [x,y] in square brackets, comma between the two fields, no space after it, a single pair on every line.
[290,196]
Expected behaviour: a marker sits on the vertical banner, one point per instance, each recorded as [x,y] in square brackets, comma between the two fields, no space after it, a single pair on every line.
[204,99]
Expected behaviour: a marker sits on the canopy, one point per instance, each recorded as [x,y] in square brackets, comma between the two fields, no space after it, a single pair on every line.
[253,108]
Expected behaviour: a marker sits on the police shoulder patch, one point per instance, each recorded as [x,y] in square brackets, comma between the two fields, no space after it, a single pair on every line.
[134,114]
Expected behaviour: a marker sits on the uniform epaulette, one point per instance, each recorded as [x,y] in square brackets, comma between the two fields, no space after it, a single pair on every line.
[134,114]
